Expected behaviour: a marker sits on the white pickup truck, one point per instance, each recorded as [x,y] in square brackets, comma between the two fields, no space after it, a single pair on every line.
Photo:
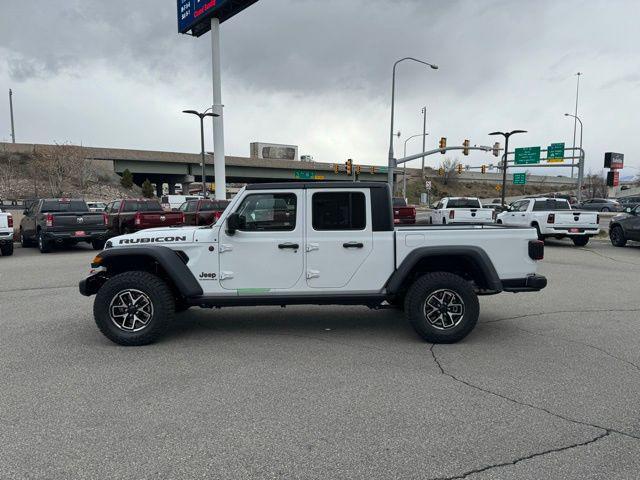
[452,210]
[552,217]
[318,243]
[6,233]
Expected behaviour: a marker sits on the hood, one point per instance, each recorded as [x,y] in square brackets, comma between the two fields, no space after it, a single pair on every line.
[155,236]
[621,216]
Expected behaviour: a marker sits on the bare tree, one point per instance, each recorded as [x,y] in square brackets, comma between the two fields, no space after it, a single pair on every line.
[86,171]
[449,166]
[595,185]
[7,171]
[57,164]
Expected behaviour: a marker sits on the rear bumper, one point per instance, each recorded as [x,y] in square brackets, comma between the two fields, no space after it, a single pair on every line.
[532,283]
[71,235]
[591,232]
[404,221]
[6,237]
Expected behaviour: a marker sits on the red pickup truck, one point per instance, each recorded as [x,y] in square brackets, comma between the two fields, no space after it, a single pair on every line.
[131,215]
[202,211]
[403,213]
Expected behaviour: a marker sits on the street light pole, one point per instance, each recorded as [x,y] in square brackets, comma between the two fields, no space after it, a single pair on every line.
[202,152]
[581,161]
[391,163]
[424,137]
[404,179]
[506,136]
[13,131]
[575,115]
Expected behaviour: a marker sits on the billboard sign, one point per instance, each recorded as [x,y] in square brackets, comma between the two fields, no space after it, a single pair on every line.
[195,15]
[613,160]
[613,178]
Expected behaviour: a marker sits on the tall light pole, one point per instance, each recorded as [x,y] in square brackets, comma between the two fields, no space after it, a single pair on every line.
[201,116]
[424,138]
[581,160]
[404,177]
[506,136]
[391,162]
[13,131]
[576,118]
[575,115]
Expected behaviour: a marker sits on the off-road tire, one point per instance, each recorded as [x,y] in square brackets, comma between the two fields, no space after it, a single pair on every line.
[580,241]
[616,235]
[7,250]
[154,288]
[44,245]
[422,290]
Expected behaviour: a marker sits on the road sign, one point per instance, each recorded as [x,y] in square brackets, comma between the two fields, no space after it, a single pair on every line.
[613,160]
[427,184]
[498,188]
[195,15]
[527,155]
[519,178]
[382,169]
[304,174]
[555,152]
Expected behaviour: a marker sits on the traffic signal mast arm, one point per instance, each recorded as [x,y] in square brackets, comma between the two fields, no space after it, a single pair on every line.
[438,150]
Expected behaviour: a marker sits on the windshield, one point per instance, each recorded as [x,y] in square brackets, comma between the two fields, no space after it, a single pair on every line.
[52,206]
[399,202]
[463,203]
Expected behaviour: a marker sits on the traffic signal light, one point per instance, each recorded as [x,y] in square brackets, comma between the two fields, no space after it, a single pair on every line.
[443,145]
[459,168]
[465,150]
[336,168]
[372,169]
[483,169]
[358,169]
[349,165]
[441,171]
[496,149]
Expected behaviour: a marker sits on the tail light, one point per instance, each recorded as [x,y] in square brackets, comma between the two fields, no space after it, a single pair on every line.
[536,249]
[137,220]
[216,216]
[10,220]
[105,218]
[49,220]
[413,211]
[551,218]
[181,217]
[452,214]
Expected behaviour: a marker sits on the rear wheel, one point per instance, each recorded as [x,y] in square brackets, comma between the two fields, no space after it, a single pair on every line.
[605,209]
[97,244]
[134,308]
[7,250]
[43,244]
[580,241]
[442,307]
[24,241]
[444,221]
[616,235]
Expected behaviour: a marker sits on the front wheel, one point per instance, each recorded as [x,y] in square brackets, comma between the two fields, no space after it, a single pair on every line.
[97,244]
[7,250]
[605,210]
[580,241]
[616,235]
[442,307]
[134,308]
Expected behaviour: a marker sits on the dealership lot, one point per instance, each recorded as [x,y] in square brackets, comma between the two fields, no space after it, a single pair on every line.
[547,386]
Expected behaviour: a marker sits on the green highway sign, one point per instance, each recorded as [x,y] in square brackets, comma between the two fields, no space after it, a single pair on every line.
[382,169]
[519,178]
[304,174]
[555,152]
[527,155]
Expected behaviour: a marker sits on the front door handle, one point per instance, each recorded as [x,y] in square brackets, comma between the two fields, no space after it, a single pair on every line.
[353,245]
[292,246]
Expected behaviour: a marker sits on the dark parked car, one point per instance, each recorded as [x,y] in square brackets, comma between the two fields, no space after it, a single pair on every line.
[202,211]
[61,221]
[601,205]
[629,202]
[625,227]
[131,215]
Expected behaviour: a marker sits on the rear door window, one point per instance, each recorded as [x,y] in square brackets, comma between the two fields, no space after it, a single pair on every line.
[339,211]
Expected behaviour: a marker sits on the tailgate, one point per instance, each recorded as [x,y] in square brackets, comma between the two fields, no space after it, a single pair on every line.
[404,212]
[159,219]
[75,221]
[473,214]
[575,219]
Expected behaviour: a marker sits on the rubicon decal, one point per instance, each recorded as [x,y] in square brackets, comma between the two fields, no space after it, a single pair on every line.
[130,241]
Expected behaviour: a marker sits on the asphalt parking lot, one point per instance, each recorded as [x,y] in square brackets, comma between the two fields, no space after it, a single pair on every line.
[547,386]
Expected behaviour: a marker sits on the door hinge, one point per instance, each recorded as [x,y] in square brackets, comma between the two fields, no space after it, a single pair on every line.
[313,246]
[313,274]
[225,275]
[224,247]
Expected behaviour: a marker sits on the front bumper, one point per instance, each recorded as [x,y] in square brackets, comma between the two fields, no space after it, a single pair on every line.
[532,283]
[90,285]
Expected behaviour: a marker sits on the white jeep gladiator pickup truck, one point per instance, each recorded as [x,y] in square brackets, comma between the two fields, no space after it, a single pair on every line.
[316,243]
[552,217]
[6,233]
[456,210]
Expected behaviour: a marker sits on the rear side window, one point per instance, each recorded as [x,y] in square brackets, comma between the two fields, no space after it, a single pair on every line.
[463,203]
[52,206]
[339,211]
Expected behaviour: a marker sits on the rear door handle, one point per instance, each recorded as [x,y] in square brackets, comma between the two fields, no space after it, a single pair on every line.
[353,245]
[292,246]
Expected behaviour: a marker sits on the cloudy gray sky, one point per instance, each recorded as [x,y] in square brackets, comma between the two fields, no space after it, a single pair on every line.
[317,73]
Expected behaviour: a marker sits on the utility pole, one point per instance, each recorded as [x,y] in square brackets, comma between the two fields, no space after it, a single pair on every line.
[506,136]
[218,122]
[424,138]
[575,121]
[13,131]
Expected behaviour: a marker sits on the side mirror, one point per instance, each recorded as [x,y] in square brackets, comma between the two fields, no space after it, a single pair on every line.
[234,223]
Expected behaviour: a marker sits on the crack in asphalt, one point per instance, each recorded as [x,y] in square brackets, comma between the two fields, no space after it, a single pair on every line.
[527,457]
[606,430]
[607,257]
[35,289]
[558,312]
